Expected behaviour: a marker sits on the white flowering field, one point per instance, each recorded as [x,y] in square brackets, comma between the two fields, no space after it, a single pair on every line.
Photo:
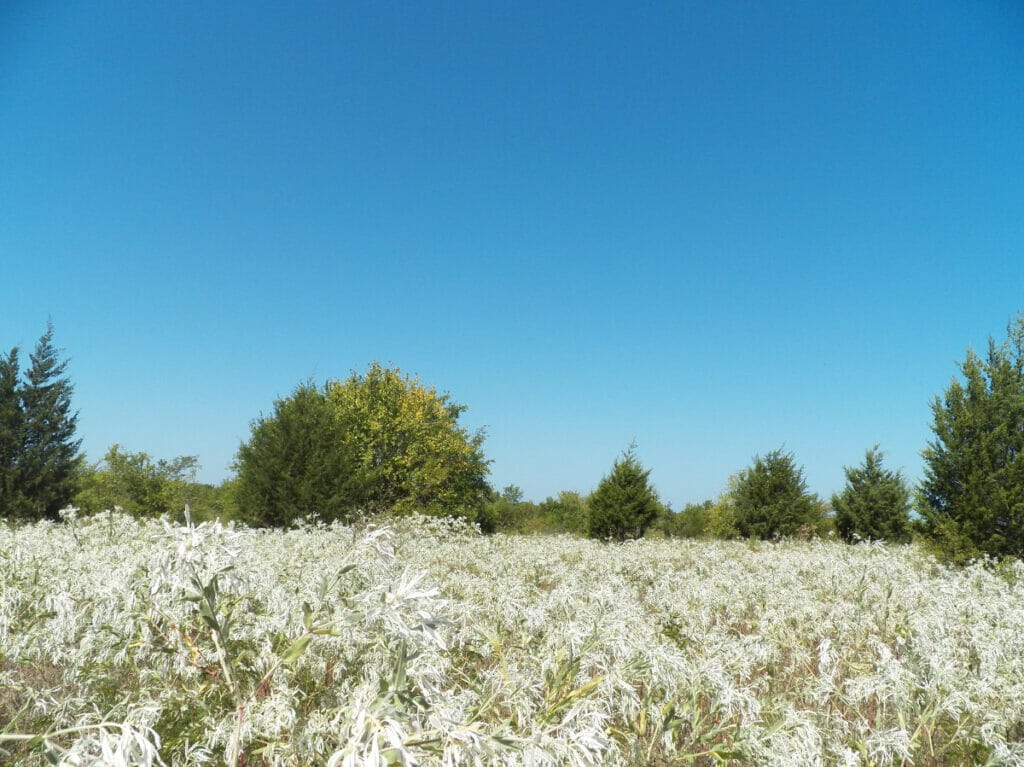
[143,643]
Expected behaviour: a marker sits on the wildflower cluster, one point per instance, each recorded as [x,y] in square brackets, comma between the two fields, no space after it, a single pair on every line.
[146,643]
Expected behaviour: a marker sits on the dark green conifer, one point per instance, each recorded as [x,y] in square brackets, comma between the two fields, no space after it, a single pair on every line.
[11,429]
[972,496]
[875,504]
[48,460]
[624,504]
[295,465]
[771,500]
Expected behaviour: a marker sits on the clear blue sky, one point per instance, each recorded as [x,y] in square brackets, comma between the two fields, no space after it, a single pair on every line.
[716,227]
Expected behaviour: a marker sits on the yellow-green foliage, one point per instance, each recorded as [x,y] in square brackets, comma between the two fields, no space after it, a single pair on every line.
[405,439]
[373,443]
[137,484]
[720,522]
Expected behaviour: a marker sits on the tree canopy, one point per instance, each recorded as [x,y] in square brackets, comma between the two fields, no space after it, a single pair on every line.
[624,504]
[972,496]
[377,442]
[410,452]
[770,499]
[137,483]
[39,455]
[874,504]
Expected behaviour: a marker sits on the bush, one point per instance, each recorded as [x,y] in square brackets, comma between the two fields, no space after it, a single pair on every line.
[689,522]
[720,520]
[565,513]
[508,512]
[502,511]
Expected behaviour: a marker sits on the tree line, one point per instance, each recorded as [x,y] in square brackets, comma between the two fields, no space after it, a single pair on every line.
[383,442]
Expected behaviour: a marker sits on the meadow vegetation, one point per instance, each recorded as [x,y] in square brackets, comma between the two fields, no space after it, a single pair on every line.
[357,594]
[424,642]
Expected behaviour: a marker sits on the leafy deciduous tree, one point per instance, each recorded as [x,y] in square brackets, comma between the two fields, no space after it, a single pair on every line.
[624,503]
[208,502]
[972,496]
[565,513]
[688,522]
[137,484]
[875,504]
[410,451]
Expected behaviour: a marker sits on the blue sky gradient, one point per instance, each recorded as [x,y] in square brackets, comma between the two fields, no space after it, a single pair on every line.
[715,228]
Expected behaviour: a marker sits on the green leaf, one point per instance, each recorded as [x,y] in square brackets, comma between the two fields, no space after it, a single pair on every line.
[727,756]
[208,617]
[307,616]
[296,649]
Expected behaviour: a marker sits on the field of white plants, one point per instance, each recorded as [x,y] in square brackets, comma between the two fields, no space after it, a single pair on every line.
[143,643]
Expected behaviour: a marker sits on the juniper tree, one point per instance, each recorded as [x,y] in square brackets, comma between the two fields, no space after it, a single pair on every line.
[294,464]
[624,504]
[46,465]
[875,504]
[972,496]
[11,428]
[770,499]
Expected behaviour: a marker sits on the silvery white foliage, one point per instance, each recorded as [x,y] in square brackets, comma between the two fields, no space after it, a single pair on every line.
[890,746]
[114,746]
[444,647]
[131,743]
[798,744]
[1009,754]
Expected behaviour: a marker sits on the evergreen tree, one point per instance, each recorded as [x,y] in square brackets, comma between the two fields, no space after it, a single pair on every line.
[11,429]
[875,504]
[49,461]
[972,496]
[770,499]
[295,464]
[624,504]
